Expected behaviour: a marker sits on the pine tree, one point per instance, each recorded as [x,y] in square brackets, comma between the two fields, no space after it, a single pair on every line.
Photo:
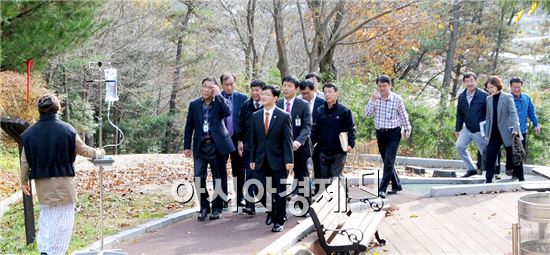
[41,29]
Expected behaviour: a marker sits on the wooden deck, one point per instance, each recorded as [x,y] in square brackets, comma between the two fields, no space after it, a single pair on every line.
[478,224]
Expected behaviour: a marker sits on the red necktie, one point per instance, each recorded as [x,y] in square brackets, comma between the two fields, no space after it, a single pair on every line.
[266,122]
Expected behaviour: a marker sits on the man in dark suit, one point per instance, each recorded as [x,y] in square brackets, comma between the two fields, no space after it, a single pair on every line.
[211,144]
[249,107]
[271,153]
[236,100]
[307,90]
[301,130]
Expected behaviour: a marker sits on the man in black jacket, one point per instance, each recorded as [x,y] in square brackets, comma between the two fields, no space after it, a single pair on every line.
[249,107]
[271,154]
[332,119]
[470,111]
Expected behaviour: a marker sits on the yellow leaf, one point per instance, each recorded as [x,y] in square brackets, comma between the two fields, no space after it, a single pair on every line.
[520,15]
[413,216]
[534,7]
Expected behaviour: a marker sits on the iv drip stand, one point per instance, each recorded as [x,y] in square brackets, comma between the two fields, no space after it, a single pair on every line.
[101,162]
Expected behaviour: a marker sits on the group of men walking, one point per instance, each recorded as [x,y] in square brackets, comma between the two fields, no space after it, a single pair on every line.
[274,132]
[493,118]
[270,134]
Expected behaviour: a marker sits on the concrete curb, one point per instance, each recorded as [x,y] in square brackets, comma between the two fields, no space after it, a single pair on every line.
[12,199]
[472,189]
[430,163]
[419,180]
[129,234]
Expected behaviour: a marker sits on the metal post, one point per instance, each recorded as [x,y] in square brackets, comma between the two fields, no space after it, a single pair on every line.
[515,239]
[101,205]
[99,119]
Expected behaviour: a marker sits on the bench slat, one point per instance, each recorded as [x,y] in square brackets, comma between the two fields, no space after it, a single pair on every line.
[356,220]
[373,227]
[333,215]
[325,208]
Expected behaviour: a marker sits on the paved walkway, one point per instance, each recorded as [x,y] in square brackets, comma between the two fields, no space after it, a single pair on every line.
[234,233]
[479,224]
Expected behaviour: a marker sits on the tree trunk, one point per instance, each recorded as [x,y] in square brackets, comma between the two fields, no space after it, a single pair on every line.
[67,109]
[172,103]
[327,67]
[449,61]
[282,62]
[443,110]
[456,81]
[500,38]
[252,66]
[172,112]
[326,62]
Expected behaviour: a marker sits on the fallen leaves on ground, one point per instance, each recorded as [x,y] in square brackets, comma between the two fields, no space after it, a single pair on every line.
[9,183]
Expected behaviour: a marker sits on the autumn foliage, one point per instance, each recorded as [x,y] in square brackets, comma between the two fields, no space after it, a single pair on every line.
[13,98]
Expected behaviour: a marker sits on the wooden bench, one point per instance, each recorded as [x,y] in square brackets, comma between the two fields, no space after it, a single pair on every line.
[342,229]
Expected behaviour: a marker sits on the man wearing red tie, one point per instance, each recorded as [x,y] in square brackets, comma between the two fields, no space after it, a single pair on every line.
[271,154]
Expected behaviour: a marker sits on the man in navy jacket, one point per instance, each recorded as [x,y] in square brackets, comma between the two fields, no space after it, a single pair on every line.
[211,144]
[470,111]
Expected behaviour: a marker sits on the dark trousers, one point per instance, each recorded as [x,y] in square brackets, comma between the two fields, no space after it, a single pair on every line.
[301,172]
[493,148]
[331,165]
[278,211]
[209,155]
[316,169]
[238,171]
[481,162]
[524,143]
[388,143]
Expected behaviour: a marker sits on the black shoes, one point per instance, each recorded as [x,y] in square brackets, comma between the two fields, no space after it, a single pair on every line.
[202,214]
[382,194]
[469,173]
[394,191]
[241,203]
[249,211]
[277,228]
[269,219]
[216,215]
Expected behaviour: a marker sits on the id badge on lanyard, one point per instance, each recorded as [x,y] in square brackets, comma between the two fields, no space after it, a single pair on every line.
[205,127]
